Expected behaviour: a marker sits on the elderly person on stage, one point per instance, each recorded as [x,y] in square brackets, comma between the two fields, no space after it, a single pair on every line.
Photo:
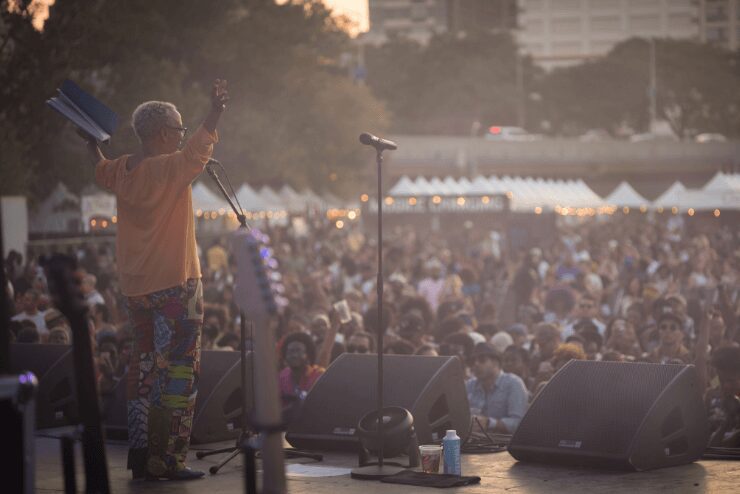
[160,276]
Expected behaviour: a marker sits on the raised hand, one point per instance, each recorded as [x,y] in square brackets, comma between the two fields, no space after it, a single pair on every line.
[219,95]
[93,150]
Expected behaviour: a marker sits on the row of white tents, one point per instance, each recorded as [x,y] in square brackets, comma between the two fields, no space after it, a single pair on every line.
[265,199]
[527,194]
[62,211]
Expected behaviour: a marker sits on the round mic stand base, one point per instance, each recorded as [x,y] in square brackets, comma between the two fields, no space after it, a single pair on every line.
[375,472]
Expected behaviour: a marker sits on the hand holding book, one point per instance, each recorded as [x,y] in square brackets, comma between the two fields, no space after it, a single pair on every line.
[92,147]
[82,109]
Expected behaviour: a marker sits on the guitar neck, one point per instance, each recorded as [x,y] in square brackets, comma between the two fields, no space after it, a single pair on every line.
[267,407]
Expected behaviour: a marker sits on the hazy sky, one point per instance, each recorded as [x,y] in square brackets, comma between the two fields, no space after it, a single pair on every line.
[354,9]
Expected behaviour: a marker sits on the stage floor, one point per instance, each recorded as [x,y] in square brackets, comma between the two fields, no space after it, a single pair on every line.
[499,472]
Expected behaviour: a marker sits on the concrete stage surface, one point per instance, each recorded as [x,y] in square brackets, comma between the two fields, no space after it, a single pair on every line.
[499,472]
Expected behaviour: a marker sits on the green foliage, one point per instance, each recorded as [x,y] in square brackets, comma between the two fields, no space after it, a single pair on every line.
[697,90]
[292,115]
[452,82]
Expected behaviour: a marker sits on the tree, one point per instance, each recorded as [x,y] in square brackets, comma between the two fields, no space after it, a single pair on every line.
[452,82]
[696,89]
[289,103]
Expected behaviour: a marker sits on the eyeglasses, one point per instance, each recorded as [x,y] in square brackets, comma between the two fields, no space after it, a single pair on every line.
[182,130]
[480,359]
[357,349]
[585,306]
[671,327]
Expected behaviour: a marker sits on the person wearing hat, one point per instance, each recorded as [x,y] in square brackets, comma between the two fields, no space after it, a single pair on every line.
[670,347]
[498,399]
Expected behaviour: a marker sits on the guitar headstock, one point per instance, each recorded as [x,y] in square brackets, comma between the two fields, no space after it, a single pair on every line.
[258,290]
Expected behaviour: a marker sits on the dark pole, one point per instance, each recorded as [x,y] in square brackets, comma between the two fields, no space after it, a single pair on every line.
[379,286]
[4,310]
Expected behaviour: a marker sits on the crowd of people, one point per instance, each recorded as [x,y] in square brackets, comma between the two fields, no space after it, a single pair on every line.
[623,288]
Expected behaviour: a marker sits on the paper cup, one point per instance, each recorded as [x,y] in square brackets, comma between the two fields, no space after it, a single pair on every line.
[431,456]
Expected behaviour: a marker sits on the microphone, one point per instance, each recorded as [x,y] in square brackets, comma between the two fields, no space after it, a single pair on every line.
[377,142]
[209,165]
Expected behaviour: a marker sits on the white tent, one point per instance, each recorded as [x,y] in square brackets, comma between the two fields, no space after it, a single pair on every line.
[96,202]
[439,187]
[404,187]
[292,200]
[424,187]
[671,197]
[497,186]
[464,184]
[480,186]
[453,186]
[723,181]
[313,200]
[526,193]
[59,212]
[272,200]
[249,200]
[722,192]
[204,199]
[625,195]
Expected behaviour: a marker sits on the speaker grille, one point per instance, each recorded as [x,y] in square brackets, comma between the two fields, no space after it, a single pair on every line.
[614,398]
[431,388]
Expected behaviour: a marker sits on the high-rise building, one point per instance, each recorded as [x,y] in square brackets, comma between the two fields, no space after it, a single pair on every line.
[420,19]
[719,22]
[566,32]
[488,15]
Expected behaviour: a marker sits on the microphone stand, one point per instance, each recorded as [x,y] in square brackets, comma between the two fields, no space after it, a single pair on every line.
[243,441]
[377,471]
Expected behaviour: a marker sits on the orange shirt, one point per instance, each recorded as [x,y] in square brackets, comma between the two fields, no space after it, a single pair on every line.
[155,244]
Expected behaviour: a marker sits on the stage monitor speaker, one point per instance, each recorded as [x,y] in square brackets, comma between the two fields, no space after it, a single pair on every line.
[431,388]
[218,409]
[615,415]
[53,366]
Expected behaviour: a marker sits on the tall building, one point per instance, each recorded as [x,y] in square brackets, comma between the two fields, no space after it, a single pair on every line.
[420,19]
[567,32]
[719,22]
[472,15]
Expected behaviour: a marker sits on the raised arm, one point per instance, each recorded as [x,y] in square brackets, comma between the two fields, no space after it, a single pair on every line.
[93,150]
[219,98]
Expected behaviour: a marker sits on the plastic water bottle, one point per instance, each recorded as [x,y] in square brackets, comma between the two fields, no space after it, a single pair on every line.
[451,448]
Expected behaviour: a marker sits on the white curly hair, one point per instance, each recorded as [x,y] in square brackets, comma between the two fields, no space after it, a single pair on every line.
[151,116]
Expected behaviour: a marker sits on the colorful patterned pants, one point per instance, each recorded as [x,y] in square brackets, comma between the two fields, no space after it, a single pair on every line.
[163,375]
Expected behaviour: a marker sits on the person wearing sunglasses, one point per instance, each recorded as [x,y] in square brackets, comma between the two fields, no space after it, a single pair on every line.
[160,275]
[498,399]
[670,348]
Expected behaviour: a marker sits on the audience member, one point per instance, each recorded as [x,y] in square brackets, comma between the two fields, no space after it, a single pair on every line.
[497,399]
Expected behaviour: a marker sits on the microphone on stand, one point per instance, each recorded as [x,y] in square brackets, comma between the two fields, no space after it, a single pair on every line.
[377,142]
[209,166]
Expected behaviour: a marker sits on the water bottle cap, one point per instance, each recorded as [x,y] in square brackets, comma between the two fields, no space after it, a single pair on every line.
[451,434]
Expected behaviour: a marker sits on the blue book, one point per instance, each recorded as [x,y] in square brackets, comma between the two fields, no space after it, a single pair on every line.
[85,111]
